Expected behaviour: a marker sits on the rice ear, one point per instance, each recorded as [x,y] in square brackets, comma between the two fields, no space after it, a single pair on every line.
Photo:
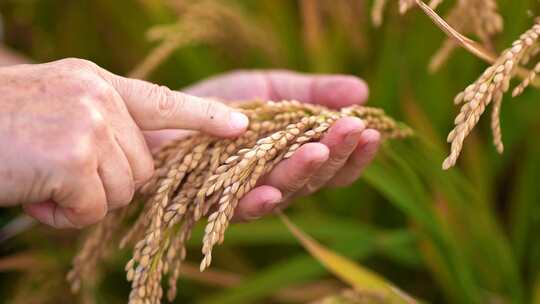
[200,172]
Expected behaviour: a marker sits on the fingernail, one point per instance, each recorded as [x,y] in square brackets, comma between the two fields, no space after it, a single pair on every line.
[238,121]
[270,205]
[371,147]
[250,218]
[352,138]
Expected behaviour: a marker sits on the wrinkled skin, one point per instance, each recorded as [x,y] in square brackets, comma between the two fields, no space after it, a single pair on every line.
[74,136]
[72,146]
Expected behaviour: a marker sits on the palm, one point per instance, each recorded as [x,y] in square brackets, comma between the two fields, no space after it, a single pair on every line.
[336,161]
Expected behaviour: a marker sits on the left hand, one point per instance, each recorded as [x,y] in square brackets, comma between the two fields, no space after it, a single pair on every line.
[337,160]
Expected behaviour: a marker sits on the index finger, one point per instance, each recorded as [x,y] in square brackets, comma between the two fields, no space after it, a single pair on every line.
[155,107]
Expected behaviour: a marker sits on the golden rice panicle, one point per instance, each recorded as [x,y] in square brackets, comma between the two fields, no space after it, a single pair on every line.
[146,267]
[94,248]
[484,17]
[201,172]
[205,21]
[176,254]
[477,17]
[491,85]
[496,122]
[375,118]
[258,160]
[234,183]
[518,90]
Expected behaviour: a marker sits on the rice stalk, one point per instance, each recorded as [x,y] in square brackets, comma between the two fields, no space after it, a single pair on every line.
[204,22]
[492,84]
[490,87]
[478,17]
[203,177]
[476,48]
[527,81]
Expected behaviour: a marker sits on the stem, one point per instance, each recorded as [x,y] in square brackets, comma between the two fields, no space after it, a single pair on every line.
[468,44]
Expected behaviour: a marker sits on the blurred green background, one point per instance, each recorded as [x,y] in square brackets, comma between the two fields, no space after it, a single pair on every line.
[468,235]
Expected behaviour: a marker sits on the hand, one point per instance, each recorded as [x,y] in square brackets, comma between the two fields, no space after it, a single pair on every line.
[337,160]
[72,146]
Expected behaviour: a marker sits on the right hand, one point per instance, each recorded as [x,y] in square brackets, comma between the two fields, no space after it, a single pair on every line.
[71,140]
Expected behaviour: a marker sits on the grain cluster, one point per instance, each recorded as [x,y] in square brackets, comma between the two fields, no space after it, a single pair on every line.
[204,177]
[480,18]
[205,22]
[490,88]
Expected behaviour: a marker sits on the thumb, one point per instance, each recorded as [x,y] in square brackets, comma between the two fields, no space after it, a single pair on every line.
[155,107]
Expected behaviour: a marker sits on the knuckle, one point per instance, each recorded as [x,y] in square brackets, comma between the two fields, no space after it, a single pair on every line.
[94,124]
[125,195]
[146,171]
[86,84]
[98,89]
[101,211]
[77,63]
[70,61]
[98,214]
[165,103]
[73,84]
[80,156]
[70,152]
[88,215]
[80,77]
[89,119]
[90,85]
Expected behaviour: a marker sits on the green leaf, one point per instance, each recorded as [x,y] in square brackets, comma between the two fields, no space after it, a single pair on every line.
[356,276]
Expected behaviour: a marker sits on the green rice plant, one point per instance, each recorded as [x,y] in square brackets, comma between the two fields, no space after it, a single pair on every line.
[466,235]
